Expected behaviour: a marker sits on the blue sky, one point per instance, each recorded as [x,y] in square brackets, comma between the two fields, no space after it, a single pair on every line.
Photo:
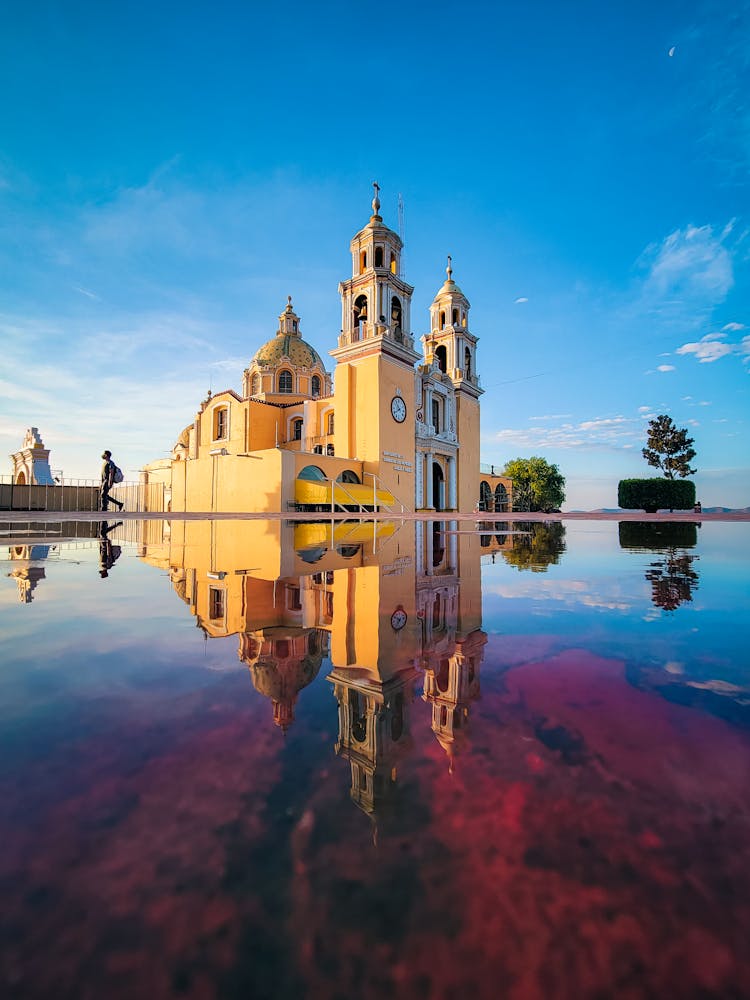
[169,173]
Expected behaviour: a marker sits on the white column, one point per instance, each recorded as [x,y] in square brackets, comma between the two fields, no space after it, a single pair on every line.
[452,466]
[428,472]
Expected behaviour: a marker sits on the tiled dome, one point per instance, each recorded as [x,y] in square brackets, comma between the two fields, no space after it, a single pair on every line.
[285,345]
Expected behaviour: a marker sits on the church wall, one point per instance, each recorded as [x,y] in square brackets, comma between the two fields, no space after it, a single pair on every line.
[227,483]
[365,427]
[467,427]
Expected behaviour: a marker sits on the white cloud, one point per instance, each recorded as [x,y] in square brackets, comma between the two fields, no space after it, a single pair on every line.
[690,269]
[87,293]
[552,416]
[733,327]
[707,349]
[520,299]
[601,432]
[665,368]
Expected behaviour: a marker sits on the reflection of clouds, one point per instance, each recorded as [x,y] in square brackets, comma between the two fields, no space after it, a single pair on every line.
[567,592]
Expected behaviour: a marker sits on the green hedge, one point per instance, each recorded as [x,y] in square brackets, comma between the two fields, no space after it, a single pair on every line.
[656,494]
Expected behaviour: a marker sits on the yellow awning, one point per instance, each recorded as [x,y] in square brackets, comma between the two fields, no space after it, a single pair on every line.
[312,491]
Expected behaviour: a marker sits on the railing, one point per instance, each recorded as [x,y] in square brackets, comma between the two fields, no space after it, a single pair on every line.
[78,495]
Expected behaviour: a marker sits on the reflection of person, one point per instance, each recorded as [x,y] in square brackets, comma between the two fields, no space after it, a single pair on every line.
[108,479]
[108,553]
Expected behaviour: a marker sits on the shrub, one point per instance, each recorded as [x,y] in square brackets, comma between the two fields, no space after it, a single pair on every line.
[656,494]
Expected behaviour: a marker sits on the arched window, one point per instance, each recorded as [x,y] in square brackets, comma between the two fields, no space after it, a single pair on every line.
[394,264]
[363,261]
[397,719]
[467,362]
[315,386]
[442,320]
[454,319]
[378,256]
[358,715]
[441,356]
[436,415]
[297,429]
[348,476]
[221,422]
[285,381]
[255,385]
[359,316]
[329,423]
[312,473]
[396,313]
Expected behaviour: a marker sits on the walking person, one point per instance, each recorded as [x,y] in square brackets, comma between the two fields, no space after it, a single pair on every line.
[108,480]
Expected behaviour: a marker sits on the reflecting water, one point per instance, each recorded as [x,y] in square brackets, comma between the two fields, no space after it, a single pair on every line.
[264,759]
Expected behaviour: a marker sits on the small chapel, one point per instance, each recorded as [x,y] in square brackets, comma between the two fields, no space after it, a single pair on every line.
[392,427]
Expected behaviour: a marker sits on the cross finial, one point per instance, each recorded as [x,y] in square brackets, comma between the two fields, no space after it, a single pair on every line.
[289,301]
[376,199]
[449,269]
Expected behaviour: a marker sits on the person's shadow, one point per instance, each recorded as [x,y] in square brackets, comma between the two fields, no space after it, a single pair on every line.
[108,553]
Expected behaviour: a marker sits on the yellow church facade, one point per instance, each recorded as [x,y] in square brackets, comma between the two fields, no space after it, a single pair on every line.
[393,429]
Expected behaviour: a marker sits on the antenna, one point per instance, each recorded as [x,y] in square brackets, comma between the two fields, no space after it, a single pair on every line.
[401,228]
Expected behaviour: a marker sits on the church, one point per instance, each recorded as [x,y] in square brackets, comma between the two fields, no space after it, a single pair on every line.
[393,428]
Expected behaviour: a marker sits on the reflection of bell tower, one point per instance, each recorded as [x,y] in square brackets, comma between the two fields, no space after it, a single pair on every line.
[26,575]
[451,684]
[374,379]
[282,662]
[374,732]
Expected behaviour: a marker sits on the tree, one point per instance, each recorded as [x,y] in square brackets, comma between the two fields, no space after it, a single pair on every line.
[537,485]
[668,448]
[536,546]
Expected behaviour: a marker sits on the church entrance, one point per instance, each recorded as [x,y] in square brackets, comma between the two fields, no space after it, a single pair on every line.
[438,487]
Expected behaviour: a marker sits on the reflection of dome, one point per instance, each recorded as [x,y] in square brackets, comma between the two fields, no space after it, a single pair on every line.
[282,662]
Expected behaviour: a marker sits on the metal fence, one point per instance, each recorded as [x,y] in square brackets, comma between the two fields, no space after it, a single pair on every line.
[78,495]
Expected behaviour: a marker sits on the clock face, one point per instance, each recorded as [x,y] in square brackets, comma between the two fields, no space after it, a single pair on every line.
[398,409]
[398,619]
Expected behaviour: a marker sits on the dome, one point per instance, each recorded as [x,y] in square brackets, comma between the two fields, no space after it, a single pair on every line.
[297,350]
[287,344]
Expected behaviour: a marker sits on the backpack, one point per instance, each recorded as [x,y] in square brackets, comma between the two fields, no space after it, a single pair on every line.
[117,476]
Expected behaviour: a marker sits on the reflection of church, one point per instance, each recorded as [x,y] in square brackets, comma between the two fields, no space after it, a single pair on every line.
[25,571]
[395,429]
[386,604]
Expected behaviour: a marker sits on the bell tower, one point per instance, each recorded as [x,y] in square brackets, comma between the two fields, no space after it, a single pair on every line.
[451,347]
[374,379]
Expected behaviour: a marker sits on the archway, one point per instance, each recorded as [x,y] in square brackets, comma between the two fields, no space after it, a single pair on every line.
[485,496]
[441,356]
[21,478]
[438,487]
[501,499]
